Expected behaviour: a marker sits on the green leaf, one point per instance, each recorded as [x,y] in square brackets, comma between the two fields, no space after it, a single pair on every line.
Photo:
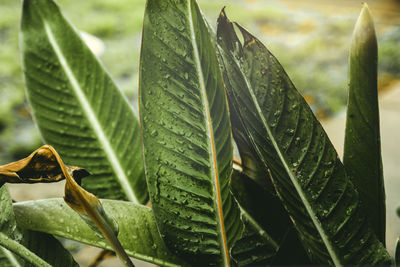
[362,145]
[138,232]
[266,226]
[306,171]
[259,242]
[21,251]
[251,163]
[78,108]
[186,134]
[8,227]
[28,248]
[8,259]
[291,251]
[48,248]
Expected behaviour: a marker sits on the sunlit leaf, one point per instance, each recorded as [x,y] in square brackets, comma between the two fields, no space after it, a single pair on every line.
[138,232]
[77,107]
[186,134]
[308,175]
[362,145]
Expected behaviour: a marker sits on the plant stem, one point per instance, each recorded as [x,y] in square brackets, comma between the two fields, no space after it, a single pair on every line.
[22,251]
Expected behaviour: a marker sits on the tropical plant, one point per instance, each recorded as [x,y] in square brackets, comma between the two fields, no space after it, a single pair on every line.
[287,200]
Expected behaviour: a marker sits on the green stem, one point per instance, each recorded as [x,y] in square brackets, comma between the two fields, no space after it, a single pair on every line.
[22,251]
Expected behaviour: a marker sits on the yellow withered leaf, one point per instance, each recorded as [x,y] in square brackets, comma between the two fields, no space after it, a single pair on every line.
[88,205]
[41,166]
[45,165]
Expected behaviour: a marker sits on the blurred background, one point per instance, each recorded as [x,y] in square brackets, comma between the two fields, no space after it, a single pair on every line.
[310,38]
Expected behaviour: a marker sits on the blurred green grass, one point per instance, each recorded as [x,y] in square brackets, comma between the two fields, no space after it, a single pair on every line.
[313,49]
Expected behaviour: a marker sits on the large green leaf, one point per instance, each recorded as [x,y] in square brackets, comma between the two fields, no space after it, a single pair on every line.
[78,108]
[138,232]
[307,173]
[362,146]
[251,163]
[29,248]
[186,134]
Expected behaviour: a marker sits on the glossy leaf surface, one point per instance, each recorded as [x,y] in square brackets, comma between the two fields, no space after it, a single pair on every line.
[78,108]
[362,146]
[186,134]
[307,173]
[138,232]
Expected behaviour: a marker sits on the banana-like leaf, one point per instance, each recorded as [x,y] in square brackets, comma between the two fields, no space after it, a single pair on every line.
[307,173]
[78,108]
[186,134]
[251,163]
[27,248]
[267,225]
[138,232]
[362,146]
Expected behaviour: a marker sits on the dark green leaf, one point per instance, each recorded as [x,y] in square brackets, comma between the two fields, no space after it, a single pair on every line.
[307,173]
[291,251]
[186,134]
[48,248]
[138,232]
[266,226]
[78,108]
[397,253]
[362,145]
[251,163]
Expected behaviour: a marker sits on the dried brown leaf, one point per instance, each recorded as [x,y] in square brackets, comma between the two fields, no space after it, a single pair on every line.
[39,167]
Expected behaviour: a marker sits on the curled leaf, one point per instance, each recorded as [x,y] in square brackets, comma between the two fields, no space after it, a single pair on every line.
[46,165]
[88,206]
[39,167]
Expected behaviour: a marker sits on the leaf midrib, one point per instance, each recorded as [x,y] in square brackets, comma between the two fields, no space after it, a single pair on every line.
[90,115]
[297,186]
[211,143]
